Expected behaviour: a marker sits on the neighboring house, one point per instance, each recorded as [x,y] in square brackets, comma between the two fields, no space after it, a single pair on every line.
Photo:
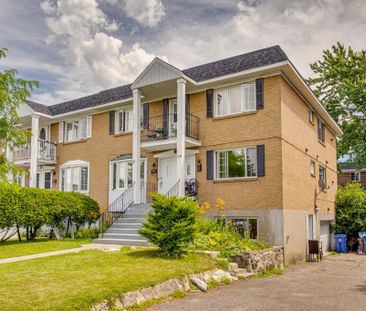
[350,173]
[247,128]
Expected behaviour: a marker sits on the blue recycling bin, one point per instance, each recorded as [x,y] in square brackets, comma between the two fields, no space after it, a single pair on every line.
[341,243]
[361,234]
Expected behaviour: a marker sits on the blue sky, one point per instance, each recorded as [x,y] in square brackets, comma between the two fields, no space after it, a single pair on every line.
[79,47]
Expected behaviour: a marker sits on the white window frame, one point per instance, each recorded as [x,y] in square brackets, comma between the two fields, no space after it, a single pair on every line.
[75,165]
[85,129]
[117,163]
[358,174]
[118,124]
[242,87]
[41,176]
[321,126]
[217,164]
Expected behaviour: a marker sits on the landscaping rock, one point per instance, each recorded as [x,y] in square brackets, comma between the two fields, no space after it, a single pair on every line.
[101,306]
[132,298]
[118,304]
[220,275]
[166,288]
[258,261]
[147,293]
[233,266]
[185,284]
[202,285]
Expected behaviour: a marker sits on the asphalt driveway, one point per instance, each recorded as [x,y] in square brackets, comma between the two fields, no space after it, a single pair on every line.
[338,283]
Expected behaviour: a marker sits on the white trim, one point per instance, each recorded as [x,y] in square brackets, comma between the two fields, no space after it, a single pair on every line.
[74,164]
[171,153]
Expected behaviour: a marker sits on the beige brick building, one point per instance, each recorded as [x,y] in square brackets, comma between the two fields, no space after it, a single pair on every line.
[246,129]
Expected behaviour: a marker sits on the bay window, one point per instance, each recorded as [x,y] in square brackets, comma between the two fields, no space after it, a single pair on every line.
[236,163]
[75,178]
[235,99]
[122,174]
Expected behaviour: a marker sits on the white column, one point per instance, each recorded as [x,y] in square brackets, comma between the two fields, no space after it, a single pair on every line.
[34,151]
[181,135]
[136,141]
[9,154]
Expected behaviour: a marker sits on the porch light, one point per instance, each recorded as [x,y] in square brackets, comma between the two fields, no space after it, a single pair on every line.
[153,170]
[199,166]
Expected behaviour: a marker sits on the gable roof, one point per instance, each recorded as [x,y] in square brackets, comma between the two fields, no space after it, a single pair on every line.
[254,59]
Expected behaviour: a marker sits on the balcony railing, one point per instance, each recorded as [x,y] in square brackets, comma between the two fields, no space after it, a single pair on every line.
[46,152]
[165,127]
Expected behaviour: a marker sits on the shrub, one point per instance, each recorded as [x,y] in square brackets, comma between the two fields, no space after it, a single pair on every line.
[89,233]
[172,224]
[32,208]
[351,210]
[214,235]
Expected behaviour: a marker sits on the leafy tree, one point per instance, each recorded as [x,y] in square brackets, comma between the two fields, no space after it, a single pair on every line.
[13,92]
[351,210]
[340,83]
[172,224]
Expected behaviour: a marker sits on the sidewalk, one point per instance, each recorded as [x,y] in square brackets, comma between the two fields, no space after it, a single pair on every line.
[105,247]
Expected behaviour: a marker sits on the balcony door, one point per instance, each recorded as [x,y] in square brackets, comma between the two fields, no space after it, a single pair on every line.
[173,115]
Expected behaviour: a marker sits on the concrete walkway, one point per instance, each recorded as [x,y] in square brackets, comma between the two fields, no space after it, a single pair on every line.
[338,283]
[104,247]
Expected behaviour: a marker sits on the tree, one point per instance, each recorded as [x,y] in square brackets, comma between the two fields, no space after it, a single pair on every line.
[13,92]
[351,210]
[340,84]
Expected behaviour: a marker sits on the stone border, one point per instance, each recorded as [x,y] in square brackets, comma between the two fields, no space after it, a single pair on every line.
[165,289]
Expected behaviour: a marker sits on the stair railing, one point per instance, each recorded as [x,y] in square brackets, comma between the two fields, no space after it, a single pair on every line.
[173,191]
[116,209]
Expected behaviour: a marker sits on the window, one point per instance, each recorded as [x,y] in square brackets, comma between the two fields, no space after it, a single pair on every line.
[245,226]
[77,129]
[322,178]
[47,180]
[356,176]
[321,131]
[236,163]
[38,180]
[124,121]
[75,178]
[236,99]
[312,168]
[311,116]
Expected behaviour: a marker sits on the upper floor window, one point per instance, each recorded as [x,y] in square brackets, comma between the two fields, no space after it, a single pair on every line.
[321,131]
[236,163]
[311,116]
[124,120]
[77,129]
[322,177]
[312,168]
[356,176]
[75,177]
[240,98]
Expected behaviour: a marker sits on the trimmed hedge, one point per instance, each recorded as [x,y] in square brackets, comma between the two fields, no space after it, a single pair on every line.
[32,208]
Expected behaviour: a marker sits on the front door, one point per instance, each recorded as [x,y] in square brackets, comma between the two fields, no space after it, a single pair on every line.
[167,172]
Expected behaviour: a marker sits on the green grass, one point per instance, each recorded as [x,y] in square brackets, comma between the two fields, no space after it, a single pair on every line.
[77,280]
[13,248]
[267,273]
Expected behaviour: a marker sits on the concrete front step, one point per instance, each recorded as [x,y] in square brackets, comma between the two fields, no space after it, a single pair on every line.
[134,215]
[122,242]
[130,220]
[126,226]
[124,236]
[124,230]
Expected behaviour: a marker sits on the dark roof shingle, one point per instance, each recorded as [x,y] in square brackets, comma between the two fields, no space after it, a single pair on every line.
[235,64]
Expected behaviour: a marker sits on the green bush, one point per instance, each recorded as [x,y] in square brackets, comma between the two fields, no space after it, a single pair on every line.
[90,233]
[218,236]
[32,208]
[351,210]
[172,224]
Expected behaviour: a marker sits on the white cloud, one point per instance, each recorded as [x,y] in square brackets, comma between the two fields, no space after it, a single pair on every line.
[92,54]
[146,12]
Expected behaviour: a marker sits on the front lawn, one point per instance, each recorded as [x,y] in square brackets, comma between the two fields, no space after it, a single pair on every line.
[75,281]
[14,248]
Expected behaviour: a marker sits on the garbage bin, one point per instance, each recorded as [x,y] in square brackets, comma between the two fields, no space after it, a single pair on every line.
[361,234]
[341,243]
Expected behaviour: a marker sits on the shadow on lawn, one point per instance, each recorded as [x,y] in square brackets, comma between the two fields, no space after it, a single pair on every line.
[149,253]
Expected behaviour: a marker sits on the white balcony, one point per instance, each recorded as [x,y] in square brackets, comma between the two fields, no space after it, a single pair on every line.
[46,153]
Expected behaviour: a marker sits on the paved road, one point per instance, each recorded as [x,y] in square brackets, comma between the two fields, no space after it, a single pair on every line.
[338,283]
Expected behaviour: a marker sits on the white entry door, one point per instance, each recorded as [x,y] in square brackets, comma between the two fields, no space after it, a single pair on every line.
[168,172]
